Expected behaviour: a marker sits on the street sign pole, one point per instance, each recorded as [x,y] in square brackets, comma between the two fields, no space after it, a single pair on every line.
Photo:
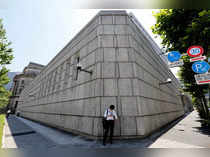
[209,94]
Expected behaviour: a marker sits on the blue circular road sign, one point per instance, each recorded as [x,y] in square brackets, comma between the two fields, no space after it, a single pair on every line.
[200,67]
[174,56]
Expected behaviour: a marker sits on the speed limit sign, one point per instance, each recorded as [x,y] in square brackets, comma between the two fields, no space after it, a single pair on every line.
[195,51]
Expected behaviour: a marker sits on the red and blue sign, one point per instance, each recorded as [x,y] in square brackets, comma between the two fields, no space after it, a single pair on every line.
[174,56]
[200,67]
[195,51]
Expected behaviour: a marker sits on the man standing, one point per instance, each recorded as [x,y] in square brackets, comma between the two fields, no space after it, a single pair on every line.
[8,112]
[110,116]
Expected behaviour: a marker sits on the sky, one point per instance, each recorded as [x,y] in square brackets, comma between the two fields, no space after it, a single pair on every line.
[39,29]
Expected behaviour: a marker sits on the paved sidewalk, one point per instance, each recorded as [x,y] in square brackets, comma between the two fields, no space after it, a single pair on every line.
[69,140]
[185,132]
[188,133]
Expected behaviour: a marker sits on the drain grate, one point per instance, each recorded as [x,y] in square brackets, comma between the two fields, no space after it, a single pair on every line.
[22,133]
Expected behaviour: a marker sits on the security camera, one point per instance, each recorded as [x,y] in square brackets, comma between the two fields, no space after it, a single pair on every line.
[79,66]
[169,80]
[166,82]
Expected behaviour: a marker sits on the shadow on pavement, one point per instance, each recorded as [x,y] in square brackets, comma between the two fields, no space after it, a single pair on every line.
[203,130]
[24,136]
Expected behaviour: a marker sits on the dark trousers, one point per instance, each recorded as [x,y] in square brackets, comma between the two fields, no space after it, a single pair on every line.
[109,128]
[7,115]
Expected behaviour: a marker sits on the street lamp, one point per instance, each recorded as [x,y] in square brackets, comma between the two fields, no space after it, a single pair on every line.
[166,82]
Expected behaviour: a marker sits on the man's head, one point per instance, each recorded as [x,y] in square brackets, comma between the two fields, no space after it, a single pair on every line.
[111,107]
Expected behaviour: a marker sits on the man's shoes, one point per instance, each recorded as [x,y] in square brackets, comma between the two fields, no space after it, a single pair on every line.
[104,143]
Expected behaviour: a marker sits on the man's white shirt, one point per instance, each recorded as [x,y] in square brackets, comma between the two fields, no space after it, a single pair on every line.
[110,114]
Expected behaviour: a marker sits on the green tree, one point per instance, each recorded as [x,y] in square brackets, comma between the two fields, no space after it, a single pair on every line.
[179,29]
[5,58]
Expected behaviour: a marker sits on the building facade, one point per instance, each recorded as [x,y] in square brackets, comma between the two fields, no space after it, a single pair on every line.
[126,71]
[20,81]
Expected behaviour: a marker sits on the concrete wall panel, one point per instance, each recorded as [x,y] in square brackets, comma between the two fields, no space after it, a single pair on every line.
[125,87]
[129,106]
[107,19]
[109,55]
[128,126]
[110,87]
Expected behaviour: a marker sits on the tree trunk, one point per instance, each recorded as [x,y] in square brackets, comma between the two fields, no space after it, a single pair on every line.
[204,99]
[203,108]
[206,107]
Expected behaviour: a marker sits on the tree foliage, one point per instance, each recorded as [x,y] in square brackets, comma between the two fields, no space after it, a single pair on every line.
[5,58]
[179,29]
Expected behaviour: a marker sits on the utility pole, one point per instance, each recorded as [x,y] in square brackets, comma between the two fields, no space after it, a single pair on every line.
[209,97]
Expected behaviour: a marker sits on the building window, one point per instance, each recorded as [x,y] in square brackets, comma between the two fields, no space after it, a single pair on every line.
[16,103]
[20,90]
[67,70]
[76,61]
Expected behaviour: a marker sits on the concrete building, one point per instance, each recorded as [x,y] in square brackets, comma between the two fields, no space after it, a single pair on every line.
[126,71]
[20,81]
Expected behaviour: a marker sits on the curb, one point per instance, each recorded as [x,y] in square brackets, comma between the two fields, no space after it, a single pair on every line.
[3,135]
